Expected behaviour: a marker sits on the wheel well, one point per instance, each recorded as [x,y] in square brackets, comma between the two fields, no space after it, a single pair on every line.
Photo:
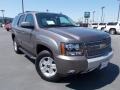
[112,29]
[94,27]
[41,48]
[13,36]
[102,28]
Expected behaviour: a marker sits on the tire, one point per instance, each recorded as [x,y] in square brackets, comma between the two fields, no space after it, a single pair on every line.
[102,29]
[94,27]
[112,31]
[44,65]
[16,47]
[7,29]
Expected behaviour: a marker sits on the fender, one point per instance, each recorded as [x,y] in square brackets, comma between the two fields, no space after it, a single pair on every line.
[48,42]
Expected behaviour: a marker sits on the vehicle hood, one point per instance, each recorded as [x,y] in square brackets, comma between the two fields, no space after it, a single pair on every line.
[78,33]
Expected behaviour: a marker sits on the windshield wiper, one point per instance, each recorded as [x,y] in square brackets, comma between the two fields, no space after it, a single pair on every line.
[50,26]
[69,25]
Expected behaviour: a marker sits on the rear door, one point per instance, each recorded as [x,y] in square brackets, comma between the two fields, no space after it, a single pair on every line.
[18,29]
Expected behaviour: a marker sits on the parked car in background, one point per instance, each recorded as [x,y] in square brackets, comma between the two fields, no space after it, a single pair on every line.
[101,26]
[7,26]
[113,28]
[94,25]
[3,25]
[0,24]
[83,24]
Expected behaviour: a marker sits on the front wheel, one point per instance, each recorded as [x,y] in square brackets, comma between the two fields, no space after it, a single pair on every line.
[102,28]
[46,66]
[112,31]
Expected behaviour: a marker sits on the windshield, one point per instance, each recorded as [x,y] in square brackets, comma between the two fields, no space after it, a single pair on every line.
[95,24]
[47,20]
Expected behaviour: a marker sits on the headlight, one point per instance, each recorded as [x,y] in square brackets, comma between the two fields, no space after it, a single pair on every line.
[71,49]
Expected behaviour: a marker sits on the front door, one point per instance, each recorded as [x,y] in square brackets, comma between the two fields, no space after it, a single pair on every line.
[28,36]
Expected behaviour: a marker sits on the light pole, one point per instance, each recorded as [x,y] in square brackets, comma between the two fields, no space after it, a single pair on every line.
[102,17]
[118,12]
[3,15]
[23,6]
[93,16]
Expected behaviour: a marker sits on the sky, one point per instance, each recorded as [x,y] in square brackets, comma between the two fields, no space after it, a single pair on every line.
[72,8]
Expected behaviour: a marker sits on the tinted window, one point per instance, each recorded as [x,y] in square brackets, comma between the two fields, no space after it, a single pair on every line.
[64,20]
[95,24]
[29,18]
[15,21]
[112,23]
[54,20]
[21,20]
[102,24]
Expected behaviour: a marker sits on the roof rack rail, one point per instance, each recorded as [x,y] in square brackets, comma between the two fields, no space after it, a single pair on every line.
[30,11]
[20,13]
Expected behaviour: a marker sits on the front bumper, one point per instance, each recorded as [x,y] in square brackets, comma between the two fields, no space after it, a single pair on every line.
[79,64]
[118,31]
[96,62]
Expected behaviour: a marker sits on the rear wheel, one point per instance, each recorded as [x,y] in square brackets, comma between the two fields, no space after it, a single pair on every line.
[94,27]
[102,28]
[16,47]
[7,29]
[112,31]
[46,66]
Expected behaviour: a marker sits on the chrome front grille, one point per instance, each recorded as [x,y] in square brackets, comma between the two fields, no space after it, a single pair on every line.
[98,48]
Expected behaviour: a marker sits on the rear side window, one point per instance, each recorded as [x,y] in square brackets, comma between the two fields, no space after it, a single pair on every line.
[95,24]
[15,20]
[102,24]
[21,20]
[112,23]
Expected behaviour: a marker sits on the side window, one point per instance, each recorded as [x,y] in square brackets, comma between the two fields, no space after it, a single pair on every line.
[29,18]
[15,20]
[21,20]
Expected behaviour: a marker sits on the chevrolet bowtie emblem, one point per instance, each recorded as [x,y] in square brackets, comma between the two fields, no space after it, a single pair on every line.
[102,46]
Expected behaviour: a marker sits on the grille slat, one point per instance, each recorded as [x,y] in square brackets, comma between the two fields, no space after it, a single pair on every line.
[99,48]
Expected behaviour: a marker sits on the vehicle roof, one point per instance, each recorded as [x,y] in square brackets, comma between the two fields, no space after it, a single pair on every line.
[94,23]
[112,22]
[35,12]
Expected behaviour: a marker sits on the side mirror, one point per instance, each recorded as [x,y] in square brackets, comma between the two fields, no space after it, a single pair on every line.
[27,25]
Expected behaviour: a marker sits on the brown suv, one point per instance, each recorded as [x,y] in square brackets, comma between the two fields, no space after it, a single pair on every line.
[58,45]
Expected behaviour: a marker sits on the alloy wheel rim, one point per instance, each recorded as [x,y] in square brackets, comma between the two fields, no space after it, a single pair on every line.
[48,66]
[112,32]
[15,46]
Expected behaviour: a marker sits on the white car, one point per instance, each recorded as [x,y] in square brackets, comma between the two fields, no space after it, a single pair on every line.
[94,25]
[113,28]
[101,26]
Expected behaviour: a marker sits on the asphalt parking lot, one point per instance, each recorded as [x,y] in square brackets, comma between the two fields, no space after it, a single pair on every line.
[18,72]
